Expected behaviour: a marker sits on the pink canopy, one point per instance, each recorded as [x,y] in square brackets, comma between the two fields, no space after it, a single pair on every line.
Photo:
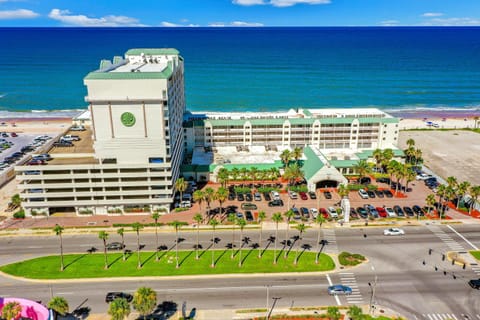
[30,309]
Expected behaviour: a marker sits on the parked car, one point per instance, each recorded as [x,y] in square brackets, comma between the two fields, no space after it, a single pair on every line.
[314,213]
[474,283]
[388,193]
[276,203]
[324,213]
[303,196]
[267,197]
[248,196]
[70,137]
[362,212]
[379,193]
[408,211]
[353,213]
[14,135]
[327,195]
[371,194]
[418,210]
[312,195]
[63,144]
[275,195]
[115,246]
[384,180]
[381,212]
[305,212]
[257,196]
[371,210]
[37,162]
[249,215]
[339,289]
[77,128]
[239,215]
[44,156]
[332,212]
[240,197]
[296,214]
[231,196]
[390,212]
[398,210]
[393,232]
[249,206]
[423,176]
[292,194]
[363,194]
[113,295]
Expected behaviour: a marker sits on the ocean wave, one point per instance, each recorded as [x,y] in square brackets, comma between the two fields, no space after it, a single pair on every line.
[66,113]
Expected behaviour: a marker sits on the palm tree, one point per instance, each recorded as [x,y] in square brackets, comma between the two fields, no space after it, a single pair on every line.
[121,232]
[362,168]
[223,176]
[441,193]
[333,313]
[103,235]
[274,173]
[388,155]
[301,229]
[297,153]
[209,196]
[293,173]
[452,181]
[58,231]
[198,219]
[59,305]
[378,156]
[214,222]
[232,218]
[418,156]
[244,174]
[155,217]
[410,176]
[410,153]
[410,143]
[181,185]
[144,301]
[355,313]
[430,200]
[277,217]
[119,309]
[16,200]
[343,191]
[392,168]
[199,196]
[285,156]
[261,217]
[474,193]
[221,195]
[241,223]
[320,220]
[462,190]
[11,310]
[288,215]
[176,225]
[235,173]
[137,227]
[253,173]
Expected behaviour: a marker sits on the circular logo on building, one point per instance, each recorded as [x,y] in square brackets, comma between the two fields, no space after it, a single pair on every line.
[128,119]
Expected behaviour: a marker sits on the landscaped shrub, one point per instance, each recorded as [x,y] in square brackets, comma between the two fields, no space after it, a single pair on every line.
[126,225]
[181,209]
[242,190]
[355,187]
[372,187]
[349,259]
[19,214]
[302,188]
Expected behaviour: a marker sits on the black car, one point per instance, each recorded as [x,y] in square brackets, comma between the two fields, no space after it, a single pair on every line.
[387,193]
[115,246]
[365,180]
[371,194]
[267,197]
[249,215]
[240,197]
[398,210]
[327,194]
[353,213]
[362,212]
[248,197]
[384,180]
[418,210]
[474,283]
[312,195]
[276,203]
[379,193]
[408,211]
[231,196]
[296,214]
[114,295]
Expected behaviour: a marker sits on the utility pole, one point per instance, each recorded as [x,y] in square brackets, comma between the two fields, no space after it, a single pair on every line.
[372,295]
[273,306]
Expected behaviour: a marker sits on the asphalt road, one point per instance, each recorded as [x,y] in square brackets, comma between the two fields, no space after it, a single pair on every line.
[403,282]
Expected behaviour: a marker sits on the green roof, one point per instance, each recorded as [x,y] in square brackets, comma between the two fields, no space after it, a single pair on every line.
[343,163]
[152,51]
[363,155]
[99,75]
[260,166]
[312,164]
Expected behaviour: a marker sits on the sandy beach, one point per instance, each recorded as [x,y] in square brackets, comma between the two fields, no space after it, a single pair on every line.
[34,125]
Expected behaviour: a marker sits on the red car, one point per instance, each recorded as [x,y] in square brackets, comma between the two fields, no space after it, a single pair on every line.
[14,135]
[36,162]
[324,213]
[303,195]
[381,212]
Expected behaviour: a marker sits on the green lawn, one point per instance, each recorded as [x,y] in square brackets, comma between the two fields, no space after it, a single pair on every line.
[475,254]
[92,265]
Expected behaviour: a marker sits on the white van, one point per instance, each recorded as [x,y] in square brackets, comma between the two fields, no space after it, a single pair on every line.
[275,195]
[363,194]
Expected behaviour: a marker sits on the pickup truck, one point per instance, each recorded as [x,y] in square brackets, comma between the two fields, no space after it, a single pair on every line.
[70,138]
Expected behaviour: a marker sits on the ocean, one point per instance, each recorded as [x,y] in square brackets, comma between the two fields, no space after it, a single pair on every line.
[406,70]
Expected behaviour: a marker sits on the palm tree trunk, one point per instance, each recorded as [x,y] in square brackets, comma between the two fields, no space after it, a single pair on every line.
[123,248]
[260,243]
[196,250]
[213,249]
[240,249]
[61,254]
[275,247]
[139,263]
[156,241]
[318,243]
[286,240]
[105,253]
[176,246]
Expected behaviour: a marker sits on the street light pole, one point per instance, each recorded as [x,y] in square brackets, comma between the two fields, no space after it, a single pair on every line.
[372,288]
[266,308]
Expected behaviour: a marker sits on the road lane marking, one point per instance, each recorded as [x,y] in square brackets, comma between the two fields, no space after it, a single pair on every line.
[337,299]
[64,293]
[471,244]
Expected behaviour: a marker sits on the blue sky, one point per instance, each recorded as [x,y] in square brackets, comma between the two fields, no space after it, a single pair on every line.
[204,13]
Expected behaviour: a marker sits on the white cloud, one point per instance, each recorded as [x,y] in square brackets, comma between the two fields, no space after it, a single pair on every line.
[173,25]
[17,14]
[432,14]
[236,24]
[389,23]
[279,3]
[66,17]
[467,21]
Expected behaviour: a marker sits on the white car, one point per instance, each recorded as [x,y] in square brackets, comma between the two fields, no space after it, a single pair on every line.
[363,194]
[314,212]
[332,212]
[390,212]
[393,232]
[423,176]
[292,194]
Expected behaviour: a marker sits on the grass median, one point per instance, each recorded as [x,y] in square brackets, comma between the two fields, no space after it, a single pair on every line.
[79,266]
